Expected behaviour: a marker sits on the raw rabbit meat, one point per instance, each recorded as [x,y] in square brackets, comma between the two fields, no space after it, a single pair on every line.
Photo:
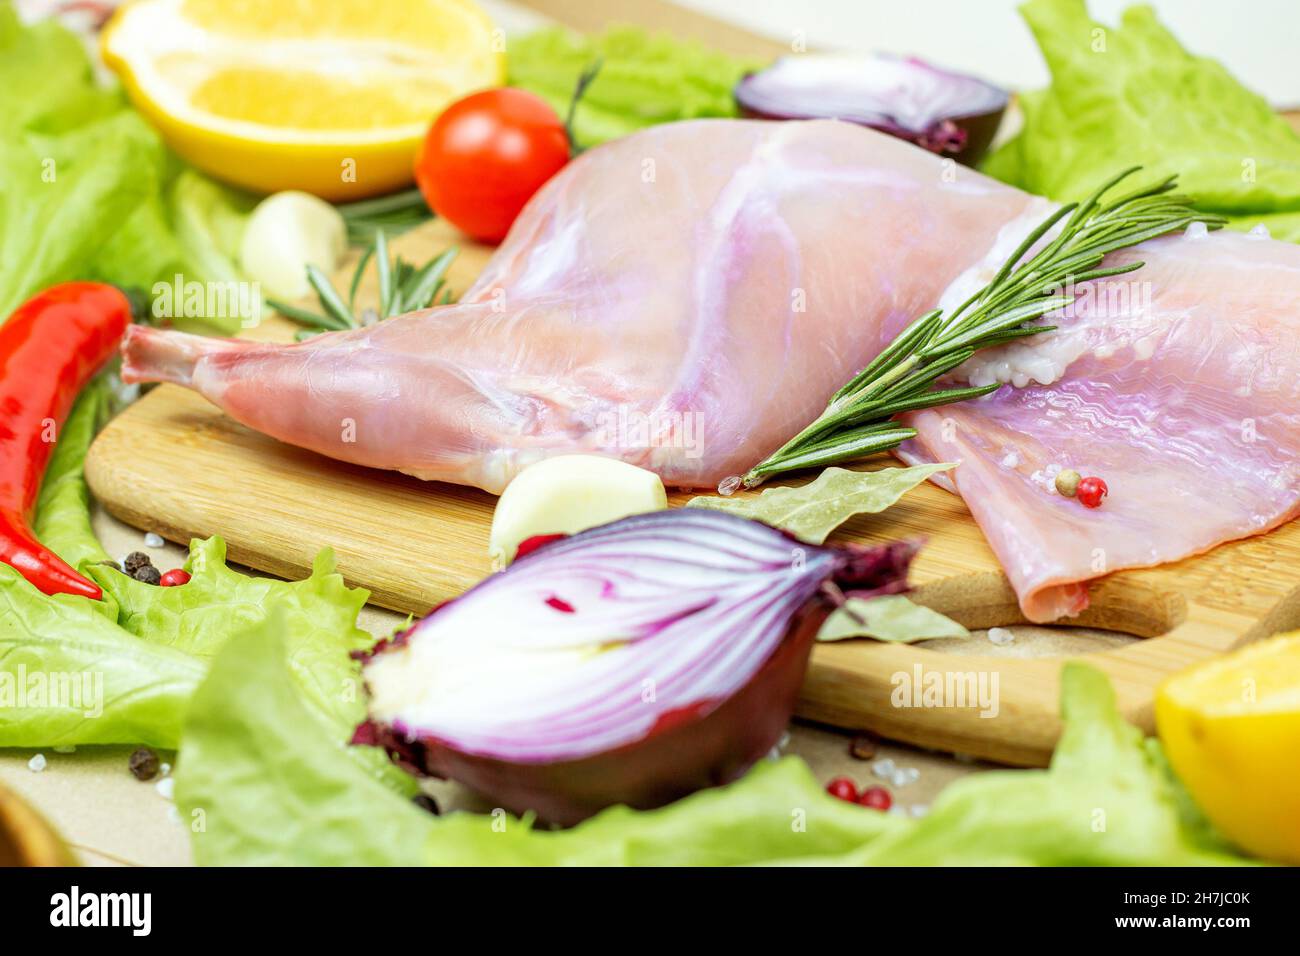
[1178,384]
[689,297]
[684,299]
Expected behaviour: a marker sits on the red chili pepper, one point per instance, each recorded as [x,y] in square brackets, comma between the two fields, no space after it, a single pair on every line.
[49,349]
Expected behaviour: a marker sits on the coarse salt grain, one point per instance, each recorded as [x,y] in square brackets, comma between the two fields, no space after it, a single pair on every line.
[165,787]
[37,763]
[1000,635]
[883,767]
[152,540]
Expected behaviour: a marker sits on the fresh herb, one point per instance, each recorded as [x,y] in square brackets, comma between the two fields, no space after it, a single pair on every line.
[571,115]
[859,421]
[402,288]
[889,617]
[392,214]
[814,510]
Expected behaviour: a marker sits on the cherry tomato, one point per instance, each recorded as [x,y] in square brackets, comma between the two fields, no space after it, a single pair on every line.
[486,155]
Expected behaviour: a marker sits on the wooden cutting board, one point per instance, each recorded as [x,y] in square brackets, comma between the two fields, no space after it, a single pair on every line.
[172,463]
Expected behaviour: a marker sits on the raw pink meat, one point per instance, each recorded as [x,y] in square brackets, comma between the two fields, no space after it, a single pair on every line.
[686,299]
[689,297]
[1182,392]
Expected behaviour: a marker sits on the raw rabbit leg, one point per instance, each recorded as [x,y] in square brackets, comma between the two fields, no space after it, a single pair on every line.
[685,299]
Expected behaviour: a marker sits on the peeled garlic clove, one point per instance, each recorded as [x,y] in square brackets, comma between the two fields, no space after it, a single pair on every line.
[287,232]
[568,494]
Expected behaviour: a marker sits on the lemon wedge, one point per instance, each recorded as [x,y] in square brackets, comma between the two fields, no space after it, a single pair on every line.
[331,97]
[1231,729]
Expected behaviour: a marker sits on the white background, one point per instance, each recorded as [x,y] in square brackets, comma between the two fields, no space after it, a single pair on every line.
[1258,40]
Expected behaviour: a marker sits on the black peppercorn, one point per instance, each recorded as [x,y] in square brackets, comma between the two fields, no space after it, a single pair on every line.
[135,561]
[148,574]
[144,764]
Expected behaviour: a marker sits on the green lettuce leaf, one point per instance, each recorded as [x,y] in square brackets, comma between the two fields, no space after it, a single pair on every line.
[1133,95]
[87,189]
[70,675]
[813,511]
[62,521]
[265,782]
[1105,801]
[143,650]
[644,79]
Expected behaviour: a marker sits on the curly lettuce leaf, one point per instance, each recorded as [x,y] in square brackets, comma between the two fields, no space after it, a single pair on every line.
[87,189]
[1106,800]
[644,79]
[1133,95]
[70,675]
[62,521]
[273,786]
[142,651]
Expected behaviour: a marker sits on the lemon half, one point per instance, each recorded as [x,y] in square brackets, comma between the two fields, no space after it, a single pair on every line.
[1231,729]
[327,96]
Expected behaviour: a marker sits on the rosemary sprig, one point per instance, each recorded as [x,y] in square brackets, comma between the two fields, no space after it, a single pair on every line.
[858,421]
[402,288]
[393,214]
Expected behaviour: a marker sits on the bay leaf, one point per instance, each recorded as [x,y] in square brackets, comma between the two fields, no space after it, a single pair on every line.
[891,617]
[813,511]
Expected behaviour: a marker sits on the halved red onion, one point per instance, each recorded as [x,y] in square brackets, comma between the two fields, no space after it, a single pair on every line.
[949,113]
[632,663]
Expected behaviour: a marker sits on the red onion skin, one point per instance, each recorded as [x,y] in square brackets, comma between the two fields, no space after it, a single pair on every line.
[979,132]
[675,759]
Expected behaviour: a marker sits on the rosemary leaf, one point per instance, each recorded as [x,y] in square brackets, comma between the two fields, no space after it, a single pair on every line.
[306,317]
[356,276]
[384,269]
[330,300]
[425,283]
